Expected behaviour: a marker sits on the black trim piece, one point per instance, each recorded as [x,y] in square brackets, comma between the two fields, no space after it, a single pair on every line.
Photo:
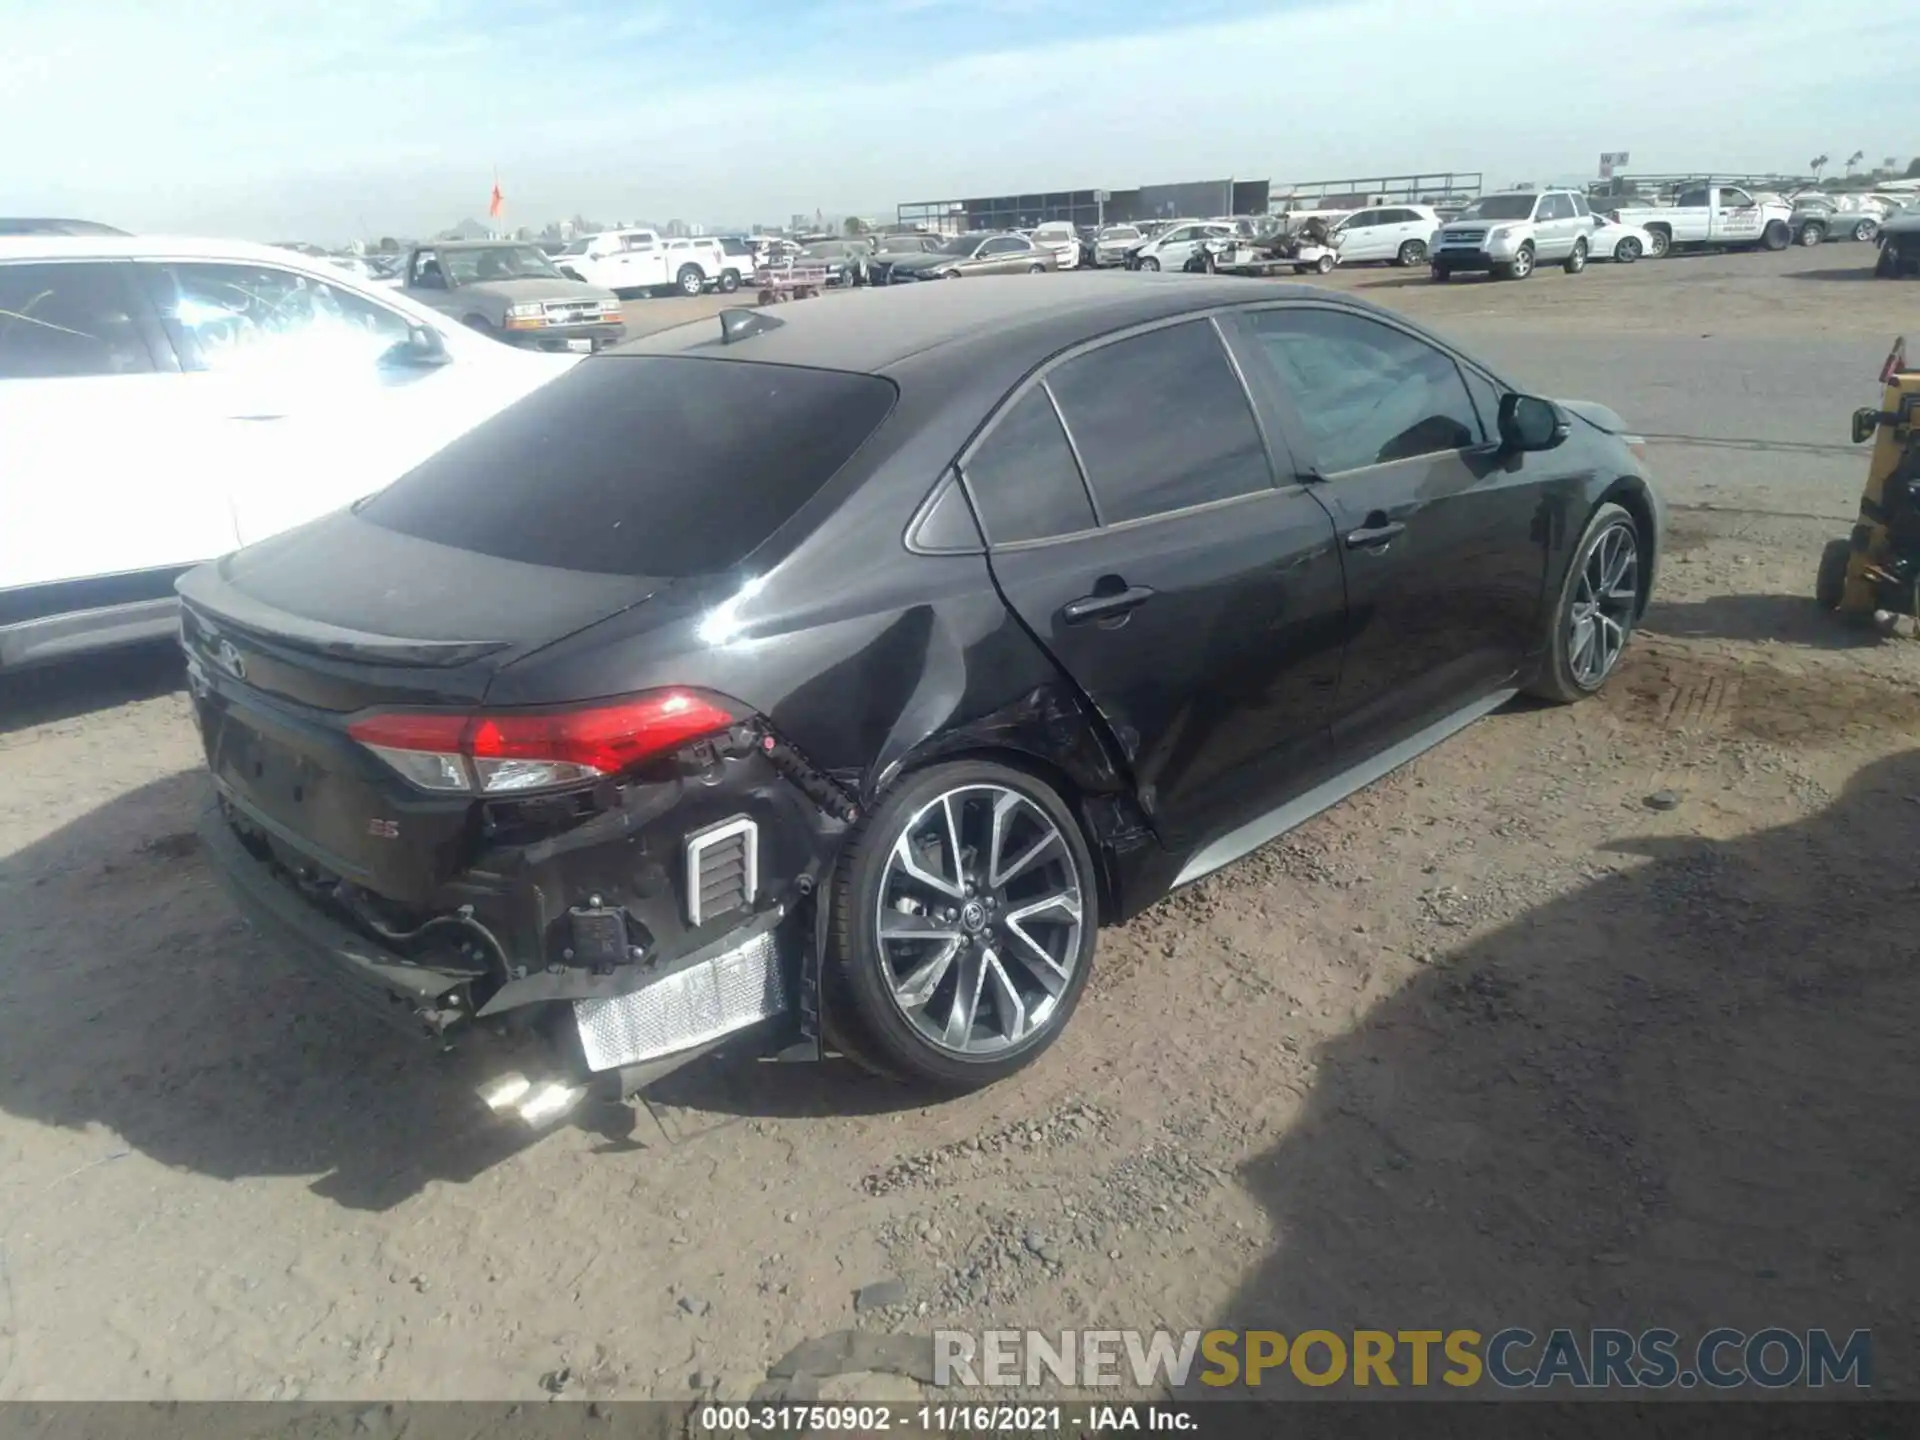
[96,592]
[1073,448]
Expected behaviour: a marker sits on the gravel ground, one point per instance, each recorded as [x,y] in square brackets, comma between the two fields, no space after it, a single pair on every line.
[1593,1015]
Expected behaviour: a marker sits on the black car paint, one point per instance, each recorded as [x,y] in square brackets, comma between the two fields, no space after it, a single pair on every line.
[858,655]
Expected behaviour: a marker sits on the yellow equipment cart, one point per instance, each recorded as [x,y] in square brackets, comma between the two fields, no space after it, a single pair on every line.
[1873,575]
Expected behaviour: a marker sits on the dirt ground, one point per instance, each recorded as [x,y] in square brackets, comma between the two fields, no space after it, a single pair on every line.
[1496,1042]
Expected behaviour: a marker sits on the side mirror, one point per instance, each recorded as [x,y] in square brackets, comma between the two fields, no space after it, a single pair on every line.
[1528,423]
[1865,422]
[423,349]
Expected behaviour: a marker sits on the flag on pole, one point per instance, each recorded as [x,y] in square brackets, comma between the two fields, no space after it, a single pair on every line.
[497,203]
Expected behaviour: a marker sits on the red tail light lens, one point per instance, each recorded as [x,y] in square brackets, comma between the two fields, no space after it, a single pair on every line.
[508,751]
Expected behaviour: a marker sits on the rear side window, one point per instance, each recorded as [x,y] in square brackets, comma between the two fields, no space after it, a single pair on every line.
[640,465]
[1024,477]
[1161,422]
[60,321]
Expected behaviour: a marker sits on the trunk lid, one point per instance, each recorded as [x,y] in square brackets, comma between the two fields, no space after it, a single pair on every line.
[340,615]
[289,639]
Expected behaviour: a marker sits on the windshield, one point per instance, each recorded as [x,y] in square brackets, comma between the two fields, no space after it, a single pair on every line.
[497,262]
[826,250]
[1501,207]
[962,245]
[578,247]
[1120,232]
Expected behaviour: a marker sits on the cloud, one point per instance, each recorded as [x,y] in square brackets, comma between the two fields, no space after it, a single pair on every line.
[283,117]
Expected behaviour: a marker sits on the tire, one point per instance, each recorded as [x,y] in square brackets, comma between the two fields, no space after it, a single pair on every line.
[1776,236]
[1830,581]
[1812,233]
[1519,268]
[1441,274]
[1662,245]
[691,280]
[1147,262]
[901,864]
[1413,253]
[1885,267]
[1572,670]
[1324,265]
[729,281]
[1577,261]
[1865,231]
[1036,269]
[1627,251]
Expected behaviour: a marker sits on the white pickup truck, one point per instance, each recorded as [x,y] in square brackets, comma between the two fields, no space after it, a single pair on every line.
[644,260]
[1712,215]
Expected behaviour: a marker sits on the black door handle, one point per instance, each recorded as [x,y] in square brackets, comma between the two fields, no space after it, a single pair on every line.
[1103,604]
[1368,537]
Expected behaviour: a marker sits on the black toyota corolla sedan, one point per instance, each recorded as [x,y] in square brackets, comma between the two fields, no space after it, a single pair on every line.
[826,676]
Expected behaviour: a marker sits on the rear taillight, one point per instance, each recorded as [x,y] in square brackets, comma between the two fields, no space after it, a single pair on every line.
[509,751]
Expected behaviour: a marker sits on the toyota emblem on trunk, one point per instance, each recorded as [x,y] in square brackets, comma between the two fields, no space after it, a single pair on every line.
[229,660]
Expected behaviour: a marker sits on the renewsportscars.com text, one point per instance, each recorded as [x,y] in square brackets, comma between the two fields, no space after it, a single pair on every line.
[1511,1358]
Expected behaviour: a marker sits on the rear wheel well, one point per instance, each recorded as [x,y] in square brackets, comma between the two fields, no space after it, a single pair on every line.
[1632,498]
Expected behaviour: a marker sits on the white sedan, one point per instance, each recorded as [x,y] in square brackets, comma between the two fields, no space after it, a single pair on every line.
[1612,240]
[165,401]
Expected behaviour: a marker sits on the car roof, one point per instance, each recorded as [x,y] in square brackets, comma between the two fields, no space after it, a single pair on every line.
[1003,318]
[129,247]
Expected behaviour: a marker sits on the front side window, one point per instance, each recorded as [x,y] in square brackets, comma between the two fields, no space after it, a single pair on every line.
[260,317]
[1161,422]
[1735,199]
[62,321]
[1692,200]
[1367,394]
[1024,477]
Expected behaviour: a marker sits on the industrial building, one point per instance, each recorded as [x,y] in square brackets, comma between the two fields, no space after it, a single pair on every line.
[1187,198]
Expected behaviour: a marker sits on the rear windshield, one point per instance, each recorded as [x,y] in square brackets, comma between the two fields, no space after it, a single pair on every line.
[640,465]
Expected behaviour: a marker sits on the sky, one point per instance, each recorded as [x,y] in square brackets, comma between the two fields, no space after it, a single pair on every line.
[326,119]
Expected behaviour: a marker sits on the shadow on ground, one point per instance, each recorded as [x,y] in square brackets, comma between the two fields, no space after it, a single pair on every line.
[94,682]
[1795,619]
[1685,1096]
[133,997]
[1864,271]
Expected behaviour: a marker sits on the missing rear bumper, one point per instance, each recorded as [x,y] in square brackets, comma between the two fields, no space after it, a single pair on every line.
[692,1008]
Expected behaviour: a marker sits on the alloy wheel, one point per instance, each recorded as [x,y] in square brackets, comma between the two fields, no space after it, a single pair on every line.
[1627,251]
[1600,616]
[1662,243]
[1522,263]
[1413,253]
[1866,230]
[978,920]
